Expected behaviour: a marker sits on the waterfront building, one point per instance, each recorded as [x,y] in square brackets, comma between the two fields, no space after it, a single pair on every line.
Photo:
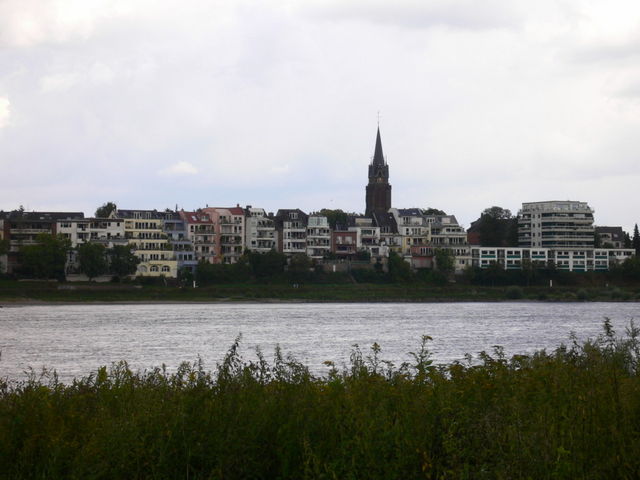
[291,231]
[378,191]
[201,233]
[367,236]
[144,231]
[229,223]
[105,231]
[260,230]
[318,237]
[175,228]
[413,228]
[556,225]
[22,228]
[610,237]
[344,242]
[569,260]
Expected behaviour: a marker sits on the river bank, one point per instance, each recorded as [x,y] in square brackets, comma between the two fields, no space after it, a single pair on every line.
[12,292]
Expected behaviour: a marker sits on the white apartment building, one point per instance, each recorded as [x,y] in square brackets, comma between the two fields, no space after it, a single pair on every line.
[556,225]
[318,236]
[260,230]
[570,260]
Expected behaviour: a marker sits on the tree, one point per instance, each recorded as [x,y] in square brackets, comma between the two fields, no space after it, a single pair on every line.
[399,270]
[497,227]
[635,243]
[445,261]
[4,249]
[433,211]
[299,266]
[335,217]
[48,258]
[497,213]
[264,265]
[122,261]
[93,262]
[106,210]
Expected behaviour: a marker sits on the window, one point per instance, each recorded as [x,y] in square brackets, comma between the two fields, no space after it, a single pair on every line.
[165,268]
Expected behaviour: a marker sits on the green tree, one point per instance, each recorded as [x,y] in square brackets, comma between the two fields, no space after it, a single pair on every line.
[48,258]
[445,261]
[4,249]
[122,261]
[497,227]
[399,269]
[93,262]
[335,217]
[635,243]
[433,211]
[106,210]
[269,264]
[299,267]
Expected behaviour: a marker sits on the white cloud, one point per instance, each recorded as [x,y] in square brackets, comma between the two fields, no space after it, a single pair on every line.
[26,23]
[178,169]
[5,112]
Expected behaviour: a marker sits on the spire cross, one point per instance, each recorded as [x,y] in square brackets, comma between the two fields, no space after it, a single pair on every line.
[378,118]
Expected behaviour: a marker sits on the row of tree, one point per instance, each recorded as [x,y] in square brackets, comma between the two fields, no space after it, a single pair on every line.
[48,258]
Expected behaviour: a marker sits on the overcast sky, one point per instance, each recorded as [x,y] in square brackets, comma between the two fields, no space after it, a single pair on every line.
[158,103]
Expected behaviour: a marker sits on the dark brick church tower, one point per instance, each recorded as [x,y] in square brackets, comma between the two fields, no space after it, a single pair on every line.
[378,189]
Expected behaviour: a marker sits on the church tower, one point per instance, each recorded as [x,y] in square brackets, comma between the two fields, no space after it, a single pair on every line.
[378,190]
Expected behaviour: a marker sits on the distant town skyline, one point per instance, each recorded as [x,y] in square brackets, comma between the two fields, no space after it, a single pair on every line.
[275,104]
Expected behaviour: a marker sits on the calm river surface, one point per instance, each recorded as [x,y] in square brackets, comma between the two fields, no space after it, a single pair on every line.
[77,339]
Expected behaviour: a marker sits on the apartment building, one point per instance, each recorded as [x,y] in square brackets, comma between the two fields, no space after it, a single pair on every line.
[556,225]
[318,237]
[230,231]
[260,230]
[144,231]
[569,260]
[291,231]
[201,233]
[22,228]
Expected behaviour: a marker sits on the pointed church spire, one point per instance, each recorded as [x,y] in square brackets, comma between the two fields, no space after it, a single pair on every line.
[378,158]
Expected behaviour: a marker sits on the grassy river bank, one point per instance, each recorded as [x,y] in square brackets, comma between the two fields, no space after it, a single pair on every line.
[573,413]
[33,292]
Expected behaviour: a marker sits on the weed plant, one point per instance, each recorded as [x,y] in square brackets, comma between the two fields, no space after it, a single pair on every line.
[573,413]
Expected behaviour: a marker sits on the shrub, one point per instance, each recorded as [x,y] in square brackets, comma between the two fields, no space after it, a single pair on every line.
[514,292]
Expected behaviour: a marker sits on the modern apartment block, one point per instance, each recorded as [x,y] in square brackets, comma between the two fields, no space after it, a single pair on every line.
[570,260]
[260,230]
[556,225]
[144,231]
[318,237]
[175,228]
[367,235]
[230,231]
[22,228]
[201,232]
[291,231]
[106,231]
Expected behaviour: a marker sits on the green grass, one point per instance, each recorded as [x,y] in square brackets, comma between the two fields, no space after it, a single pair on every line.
[12,291]
[570,414]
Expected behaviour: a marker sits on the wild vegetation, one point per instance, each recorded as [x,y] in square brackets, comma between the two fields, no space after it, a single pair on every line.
[573,413]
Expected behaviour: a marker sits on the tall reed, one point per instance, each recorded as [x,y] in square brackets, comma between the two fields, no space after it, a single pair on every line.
[573,413]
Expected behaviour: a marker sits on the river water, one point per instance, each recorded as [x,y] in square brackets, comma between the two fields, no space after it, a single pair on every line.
[76,339]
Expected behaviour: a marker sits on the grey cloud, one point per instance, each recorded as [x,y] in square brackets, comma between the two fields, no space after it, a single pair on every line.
[456,14]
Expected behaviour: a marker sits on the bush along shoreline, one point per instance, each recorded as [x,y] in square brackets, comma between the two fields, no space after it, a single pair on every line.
[573,413]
